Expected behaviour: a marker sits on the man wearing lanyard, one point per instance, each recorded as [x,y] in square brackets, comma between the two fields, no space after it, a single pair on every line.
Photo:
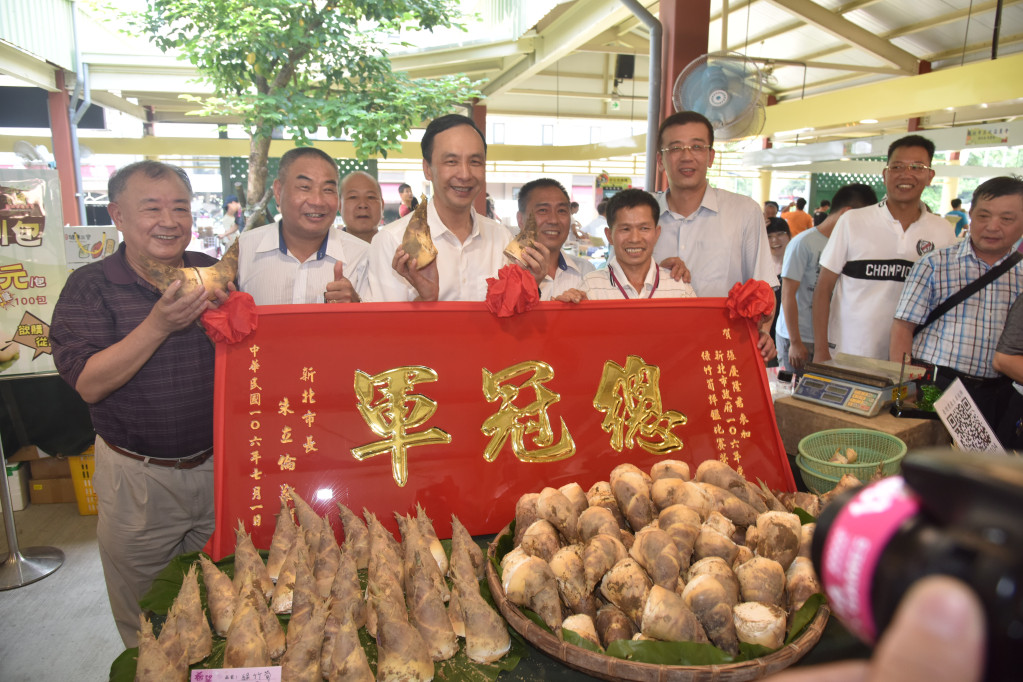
[719,235]
[632,273]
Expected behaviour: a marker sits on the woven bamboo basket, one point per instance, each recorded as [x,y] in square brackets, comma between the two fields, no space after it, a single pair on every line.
[611,668]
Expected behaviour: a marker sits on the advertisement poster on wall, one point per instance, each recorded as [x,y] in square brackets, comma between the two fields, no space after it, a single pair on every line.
[32,268]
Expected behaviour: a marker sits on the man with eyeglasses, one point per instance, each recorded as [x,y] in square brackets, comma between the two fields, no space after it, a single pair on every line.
[870,253]
[718,235]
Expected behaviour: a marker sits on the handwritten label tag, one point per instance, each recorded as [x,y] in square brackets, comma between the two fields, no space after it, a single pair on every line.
[268,674]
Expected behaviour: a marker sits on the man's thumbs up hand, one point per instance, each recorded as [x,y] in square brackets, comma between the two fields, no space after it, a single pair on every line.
[340,290]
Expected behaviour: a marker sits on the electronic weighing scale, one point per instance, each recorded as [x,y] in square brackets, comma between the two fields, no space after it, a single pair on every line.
[856,384]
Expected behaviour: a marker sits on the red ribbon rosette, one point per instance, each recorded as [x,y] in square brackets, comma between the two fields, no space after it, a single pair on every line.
[512,291]
[752,300]
[233,320]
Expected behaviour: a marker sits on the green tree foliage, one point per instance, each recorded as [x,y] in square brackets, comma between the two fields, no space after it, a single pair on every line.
[302,64]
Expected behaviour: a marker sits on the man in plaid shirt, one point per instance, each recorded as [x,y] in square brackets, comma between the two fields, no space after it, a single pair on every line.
[961,343]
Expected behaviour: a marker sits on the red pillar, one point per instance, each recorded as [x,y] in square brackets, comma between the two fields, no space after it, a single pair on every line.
[914,123]
[479,117]
[686,30]
[60,129]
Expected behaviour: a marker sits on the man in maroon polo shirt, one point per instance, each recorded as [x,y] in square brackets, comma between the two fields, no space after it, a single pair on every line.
[145,367]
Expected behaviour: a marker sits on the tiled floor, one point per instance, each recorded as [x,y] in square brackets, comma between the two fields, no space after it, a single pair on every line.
[58,628]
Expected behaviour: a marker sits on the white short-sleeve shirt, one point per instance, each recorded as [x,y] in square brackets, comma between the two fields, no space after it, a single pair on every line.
[272,275]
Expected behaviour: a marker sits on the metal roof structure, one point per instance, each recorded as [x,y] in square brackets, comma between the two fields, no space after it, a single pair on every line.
[831,70]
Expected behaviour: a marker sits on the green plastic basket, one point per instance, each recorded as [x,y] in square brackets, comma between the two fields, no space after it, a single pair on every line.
[815,482]
[872,448]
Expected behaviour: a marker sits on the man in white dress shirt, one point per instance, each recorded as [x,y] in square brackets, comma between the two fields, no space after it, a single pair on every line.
[548,201]
[719,235]
[301,258]
[632,272]
[470,247]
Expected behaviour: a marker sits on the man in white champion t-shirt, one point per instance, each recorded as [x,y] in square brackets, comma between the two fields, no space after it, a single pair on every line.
[870,253]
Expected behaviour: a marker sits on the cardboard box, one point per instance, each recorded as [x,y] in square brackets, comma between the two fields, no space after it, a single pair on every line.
[51,490]
[17,481]
[42,465]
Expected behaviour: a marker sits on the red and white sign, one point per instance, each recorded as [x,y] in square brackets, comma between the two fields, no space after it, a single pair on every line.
[382,406]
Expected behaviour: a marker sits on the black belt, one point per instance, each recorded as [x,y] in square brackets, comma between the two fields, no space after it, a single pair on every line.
[946,375]
[190,462]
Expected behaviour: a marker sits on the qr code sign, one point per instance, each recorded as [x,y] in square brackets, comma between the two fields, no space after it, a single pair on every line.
[964,422]
[969,429]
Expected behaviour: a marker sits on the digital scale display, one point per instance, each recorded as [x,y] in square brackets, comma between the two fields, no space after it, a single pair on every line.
[842,394]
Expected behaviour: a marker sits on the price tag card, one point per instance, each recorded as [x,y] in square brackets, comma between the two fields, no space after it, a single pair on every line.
[268,674]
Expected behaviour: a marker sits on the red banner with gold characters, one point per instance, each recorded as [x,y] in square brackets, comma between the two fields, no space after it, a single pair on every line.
[383,406]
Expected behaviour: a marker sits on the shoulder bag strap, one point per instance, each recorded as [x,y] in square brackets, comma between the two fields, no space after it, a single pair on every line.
[970,289]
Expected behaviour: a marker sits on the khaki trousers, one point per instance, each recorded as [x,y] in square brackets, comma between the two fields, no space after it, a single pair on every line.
[148,515]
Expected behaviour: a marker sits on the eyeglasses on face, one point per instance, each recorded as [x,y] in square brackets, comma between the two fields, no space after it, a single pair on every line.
[694,149]
[911,167]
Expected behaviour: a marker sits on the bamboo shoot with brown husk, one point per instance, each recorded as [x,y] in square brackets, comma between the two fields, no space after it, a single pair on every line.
[187,621]
[656,552]
[667,617]
[596,520]
[426,603]
[627,586]
[669,468]
[600,495]
[429,534]
[285,534]
[460,538]
[800,582]
[582,625]
[301,662]
[401,652]
[326,559]
[757,623]
[631,490]
[718,473]
[284,590]
[717,567]
[576,495]
[567,566]
[245,558]
[417,241]
[356,540]
[345,605]
[763,580]
[541,540]
[736,510]
[346,660]
[154,664]
[600,554]
[530,582]
[612,624]
[220,595]
[706,597]
[486,636]
[778,537]
[246,646]
[525,514]
[212,278]
[525,239]
[556,509]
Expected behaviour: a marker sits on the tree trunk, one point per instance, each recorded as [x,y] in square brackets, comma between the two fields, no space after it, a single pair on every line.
[259,149]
